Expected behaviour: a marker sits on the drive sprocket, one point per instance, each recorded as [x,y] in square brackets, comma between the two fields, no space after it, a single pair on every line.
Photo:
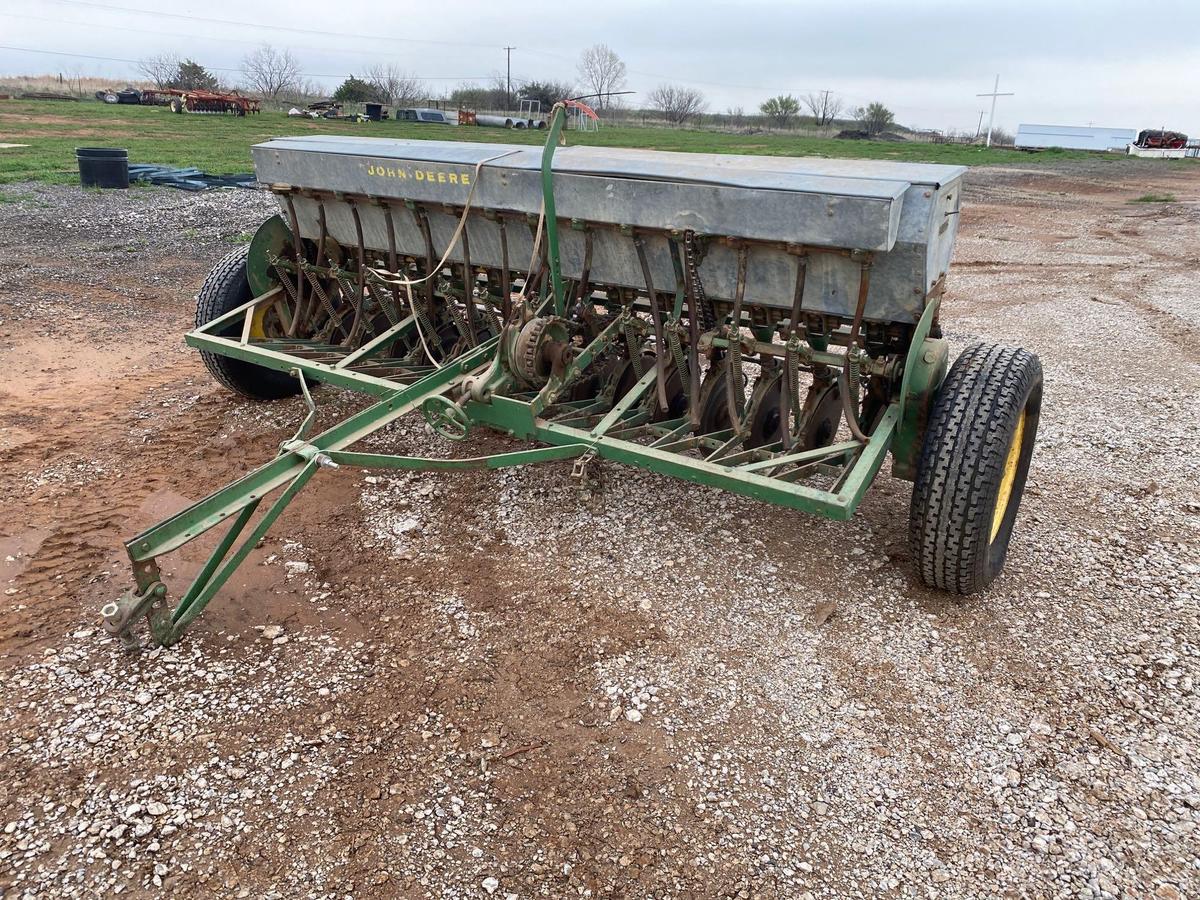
[538,348]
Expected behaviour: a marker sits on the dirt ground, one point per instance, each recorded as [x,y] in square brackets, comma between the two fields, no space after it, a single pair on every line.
[497,684]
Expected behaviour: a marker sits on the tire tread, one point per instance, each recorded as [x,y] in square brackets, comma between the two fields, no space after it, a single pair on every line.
[224,289]
[961,463]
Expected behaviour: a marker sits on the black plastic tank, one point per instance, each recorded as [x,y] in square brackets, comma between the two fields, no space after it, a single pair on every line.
[103,167]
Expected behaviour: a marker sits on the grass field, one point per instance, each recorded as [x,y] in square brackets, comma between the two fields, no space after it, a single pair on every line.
[221,144]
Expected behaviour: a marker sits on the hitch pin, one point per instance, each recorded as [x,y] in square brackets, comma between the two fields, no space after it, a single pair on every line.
[307,451]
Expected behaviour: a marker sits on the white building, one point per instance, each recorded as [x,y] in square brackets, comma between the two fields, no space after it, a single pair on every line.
[1071,137]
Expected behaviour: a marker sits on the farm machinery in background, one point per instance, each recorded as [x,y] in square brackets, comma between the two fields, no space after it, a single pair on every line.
[763,325]
[195,101]
[1158,139]
[201,101]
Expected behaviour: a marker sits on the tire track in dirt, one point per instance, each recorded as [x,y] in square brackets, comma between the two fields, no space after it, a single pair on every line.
[87,523]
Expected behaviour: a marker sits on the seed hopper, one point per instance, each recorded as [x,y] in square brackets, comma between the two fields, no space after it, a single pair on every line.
[764,325]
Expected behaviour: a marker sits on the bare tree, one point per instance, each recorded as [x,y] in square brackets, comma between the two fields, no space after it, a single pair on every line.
[736,116]
[393,85]
[602,72]
[161,69]
[677,104]
[309,87]
[270,72]
[823,106]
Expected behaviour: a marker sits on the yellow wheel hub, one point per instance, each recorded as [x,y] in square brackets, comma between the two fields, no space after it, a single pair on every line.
[1009,477]
[258,323]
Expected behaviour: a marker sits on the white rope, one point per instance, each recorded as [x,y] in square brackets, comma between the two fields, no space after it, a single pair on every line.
[398,280]
[420,331]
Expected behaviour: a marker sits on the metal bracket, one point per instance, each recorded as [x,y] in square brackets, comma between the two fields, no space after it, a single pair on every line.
[122,614]
[446,417]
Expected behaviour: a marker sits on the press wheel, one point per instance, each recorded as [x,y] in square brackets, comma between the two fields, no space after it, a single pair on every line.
[821,413]
[676,399]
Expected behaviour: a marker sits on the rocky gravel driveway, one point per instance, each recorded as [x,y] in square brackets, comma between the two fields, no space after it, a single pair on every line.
[498,684]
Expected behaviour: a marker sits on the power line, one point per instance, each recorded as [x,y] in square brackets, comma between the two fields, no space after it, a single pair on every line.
[276,27]
[173,34]
[273,27]
[221,68]
[678,80]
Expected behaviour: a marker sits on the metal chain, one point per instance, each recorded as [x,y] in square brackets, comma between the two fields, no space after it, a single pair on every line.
[706,312]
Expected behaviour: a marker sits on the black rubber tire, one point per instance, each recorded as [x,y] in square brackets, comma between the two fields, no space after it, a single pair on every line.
[971,428]
[224,289]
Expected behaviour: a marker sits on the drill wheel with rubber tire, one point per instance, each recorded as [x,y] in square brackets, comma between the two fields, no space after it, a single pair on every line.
[226,288]
[973,466]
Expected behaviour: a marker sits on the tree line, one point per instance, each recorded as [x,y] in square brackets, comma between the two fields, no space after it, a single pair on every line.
[602,78]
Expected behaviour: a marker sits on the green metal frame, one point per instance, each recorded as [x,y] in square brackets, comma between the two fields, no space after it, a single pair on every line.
[622,431]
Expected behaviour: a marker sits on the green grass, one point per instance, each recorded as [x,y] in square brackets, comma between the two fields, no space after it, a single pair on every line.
[221,144]
[1154,198]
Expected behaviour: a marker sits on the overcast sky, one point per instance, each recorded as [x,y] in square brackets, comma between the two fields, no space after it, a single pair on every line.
[1122,63]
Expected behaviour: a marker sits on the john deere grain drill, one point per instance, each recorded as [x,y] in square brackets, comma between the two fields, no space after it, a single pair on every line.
[765,325]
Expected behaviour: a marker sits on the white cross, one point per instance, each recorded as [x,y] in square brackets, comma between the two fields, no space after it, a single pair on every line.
[994,94]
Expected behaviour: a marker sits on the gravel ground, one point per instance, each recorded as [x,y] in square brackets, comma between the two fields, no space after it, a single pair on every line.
[500,684]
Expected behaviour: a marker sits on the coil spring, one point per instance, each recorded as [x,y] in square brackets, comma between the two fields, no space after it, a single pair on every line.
[633,346]
[853,372]
[792,374]
[323,296]
[286,281]
[421,311]
[736,378]
[493,314]
[390,308]
[456,315]
[677,354]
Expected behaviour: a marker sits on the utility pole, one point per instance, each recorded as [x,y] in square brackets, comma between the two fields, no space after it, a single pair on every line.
[992,117]
[979,124]
[508,79]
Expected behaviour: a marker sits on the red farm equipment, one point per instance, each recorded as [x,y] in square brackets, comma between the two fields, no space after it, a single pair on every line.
[201,101]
